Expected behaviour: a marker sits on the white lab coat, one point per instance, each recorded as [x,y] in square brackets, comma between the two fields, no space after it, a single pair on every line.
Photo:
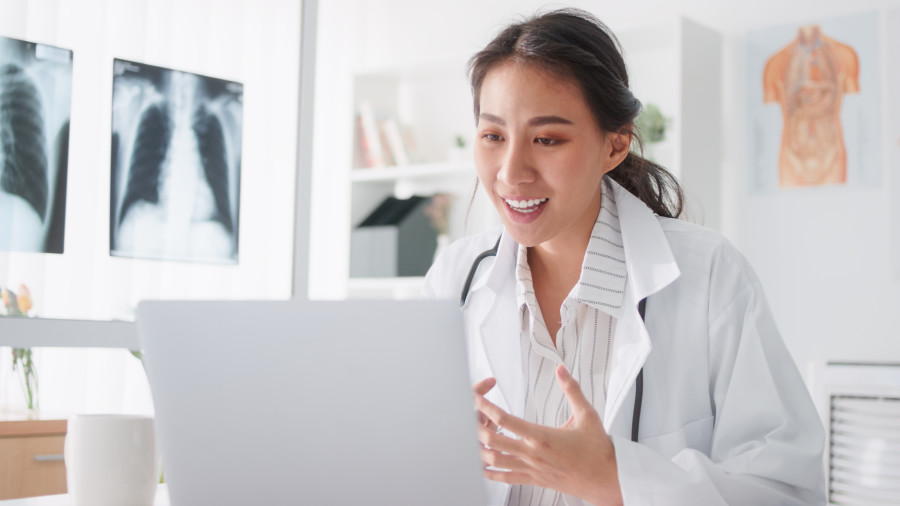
[726,417]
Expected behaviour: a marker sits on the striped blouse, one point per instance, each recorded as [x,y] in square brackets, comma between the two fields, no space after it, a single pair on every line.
[583,343]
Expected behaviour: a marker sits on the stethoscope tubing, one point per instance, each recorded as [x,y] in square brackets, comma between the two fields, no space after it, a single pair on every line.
[642,305]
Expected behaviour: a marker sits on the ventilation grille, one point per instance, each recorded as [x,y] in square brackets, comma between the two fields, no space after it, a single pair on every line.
[864,450]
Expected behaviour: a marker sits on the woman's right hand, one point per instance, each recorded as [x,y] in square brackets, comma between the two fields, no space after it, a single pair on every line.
[485,425]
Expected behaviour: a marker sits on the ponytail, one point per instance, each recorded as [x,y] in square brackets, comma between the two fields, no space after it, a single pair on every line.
[651,183]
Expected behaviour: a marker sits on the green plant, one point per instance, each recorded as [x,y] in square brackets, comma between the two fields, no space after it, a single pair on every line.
[651,123]
[23,359]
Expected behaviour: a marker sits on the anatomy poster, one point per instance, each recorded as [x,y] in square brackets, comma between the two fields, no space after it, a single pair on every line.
[35,106]
[814,104]
[176,159]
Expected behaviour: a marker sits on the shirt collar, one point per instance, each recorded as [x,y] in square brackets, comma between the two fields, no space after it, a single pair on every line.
[602,281]
[524,283]
[603,271]
[651,264]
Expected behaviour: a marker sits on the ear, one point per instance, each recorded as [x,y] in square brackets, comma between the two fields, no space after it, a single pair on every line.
[617,147]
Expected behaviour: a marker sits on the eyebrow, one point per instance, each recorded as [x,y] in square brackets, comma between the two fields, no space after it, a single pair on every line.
[536,121]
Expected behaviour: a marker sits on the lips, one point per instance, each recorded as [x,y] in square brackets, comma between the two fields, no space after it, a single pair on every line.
[525,206]
[524,211]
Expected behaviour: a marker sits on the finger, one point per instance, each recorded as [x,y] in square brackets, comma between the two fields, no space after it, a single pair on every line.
[510,477]
[502,460]
[503,419]
[485,432]
[484,386]
[572,390]
[503,443]
[484,421]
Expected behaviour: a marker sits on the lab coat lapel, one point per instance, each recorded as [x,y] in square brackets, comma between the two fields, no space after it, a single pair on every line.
[494,313]
[650,267]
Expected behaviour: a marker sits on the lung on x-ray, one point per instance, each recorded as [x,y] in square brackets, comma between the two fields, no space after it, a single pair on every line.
[35,106]
[176,161]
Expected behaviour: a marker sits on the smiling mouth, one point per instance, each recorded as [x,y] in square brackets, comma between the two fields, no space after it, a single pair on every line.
[525,206]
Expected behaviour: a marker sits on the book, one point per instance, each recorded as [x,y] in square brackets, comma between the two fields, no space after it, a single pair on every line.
[394,141]
[370,139]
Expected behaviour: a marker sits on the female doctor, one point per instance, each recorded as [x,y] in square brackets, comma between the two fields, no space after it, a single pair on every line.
[619,355]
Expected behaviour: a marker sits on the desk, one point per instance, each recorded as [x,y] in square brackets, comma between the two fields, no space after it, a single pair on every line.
[31,455]
[162,499]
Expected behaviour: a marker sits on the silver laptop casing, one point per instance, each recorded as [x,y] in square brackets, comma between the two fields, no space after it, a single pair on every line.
[312,403]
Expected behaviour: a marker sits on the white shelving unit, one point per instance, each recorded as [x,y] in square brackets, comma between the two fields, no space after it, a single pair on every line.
[432,104]
[677,65]
[413,172]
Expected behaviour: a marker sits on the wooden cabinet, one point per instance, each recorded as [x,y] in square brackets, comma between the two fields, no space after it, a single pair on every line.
[31,457]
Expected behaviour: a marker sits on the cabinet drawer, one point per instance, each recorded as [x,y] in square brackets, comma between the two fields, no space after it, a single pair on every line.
[31,466]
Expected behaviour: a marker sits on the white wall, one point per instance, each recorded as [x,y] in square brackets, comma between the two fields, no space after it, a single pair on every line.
[823,255]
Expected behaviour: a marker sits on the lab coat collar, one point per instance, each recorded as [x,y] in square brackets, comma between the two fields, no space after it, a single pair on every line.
[649,260]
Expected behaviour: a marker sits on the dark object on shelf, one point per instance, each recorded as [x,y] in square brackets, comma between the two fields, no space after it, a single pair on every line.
[396,239]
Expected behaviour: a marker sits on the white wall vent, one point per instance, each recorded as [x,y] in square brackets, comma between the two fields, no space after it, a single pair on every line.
[863,434]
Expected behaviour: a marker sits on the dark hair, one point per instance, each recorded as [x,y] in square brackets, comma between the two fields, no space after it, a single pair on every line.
[575,45]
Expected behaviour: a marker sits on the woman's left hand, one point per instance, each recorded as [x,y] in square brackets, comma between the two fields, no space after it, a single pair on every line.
[577,458]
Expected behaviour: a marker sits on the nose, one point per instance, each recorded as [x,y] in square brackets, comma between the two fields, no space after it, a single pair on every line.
[516,165]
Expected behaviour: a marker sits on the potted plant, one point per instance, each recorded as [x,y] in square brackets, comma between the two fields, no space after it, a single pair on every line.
[18,305]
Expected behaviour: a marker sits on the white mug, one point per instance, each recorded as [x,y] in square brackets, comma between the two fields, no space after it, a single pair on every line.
[111,460]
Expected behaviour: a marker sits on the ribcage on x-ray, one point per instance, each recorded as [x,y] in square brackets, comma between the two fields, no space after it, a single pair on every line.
[150,147]
[211,142]
[22,138]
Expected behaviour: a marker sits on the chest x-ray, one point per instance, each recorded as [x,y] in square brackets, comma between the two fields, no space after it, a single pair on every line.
[35,106]
[176,156]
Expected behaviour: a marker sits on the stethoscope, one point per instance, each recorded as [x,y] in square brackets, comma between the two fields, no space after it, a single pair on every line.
[639,382]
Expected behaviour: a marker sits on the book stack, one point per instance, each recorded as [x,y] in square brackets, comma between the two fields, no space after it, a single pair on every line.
[381,140]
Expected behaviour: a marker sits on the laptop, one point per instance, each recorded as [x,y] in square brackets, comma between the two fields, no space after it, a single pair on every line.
[312,403]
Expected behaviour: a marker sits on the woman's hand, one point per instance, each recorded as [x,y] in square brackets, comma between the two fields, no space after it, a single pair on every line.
[577,458]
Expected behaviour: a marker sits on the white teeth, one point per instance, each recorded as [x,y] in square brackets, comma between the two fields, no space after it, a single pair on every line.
[525,206]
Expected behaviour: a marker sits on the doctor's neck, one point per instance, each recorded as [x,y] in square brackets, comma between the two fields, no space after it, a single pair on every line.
[560,258]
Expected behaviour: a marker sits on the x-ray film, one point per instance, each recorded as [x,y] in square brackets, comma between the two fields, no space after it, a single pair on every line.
[35,107]
[175,169]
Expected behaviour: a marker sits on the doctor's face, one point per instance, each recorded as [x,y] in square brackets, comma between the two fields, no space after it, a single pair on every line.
[540,155]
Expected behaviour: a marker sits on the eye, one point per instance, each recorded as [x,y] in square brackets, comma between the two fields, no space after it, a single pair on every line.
[546,141]
[492,137]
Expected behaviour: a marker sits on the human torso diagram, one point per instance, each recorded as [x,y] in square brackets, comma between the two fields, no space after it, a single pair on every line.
[808,78]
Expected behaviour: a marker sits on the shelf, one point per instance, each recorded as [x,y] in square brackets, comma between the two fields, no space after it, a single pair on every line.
[425,170]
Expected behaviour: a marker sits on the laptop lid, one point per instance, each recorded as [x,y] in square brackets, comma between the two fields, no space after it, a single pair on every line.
[352,402]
